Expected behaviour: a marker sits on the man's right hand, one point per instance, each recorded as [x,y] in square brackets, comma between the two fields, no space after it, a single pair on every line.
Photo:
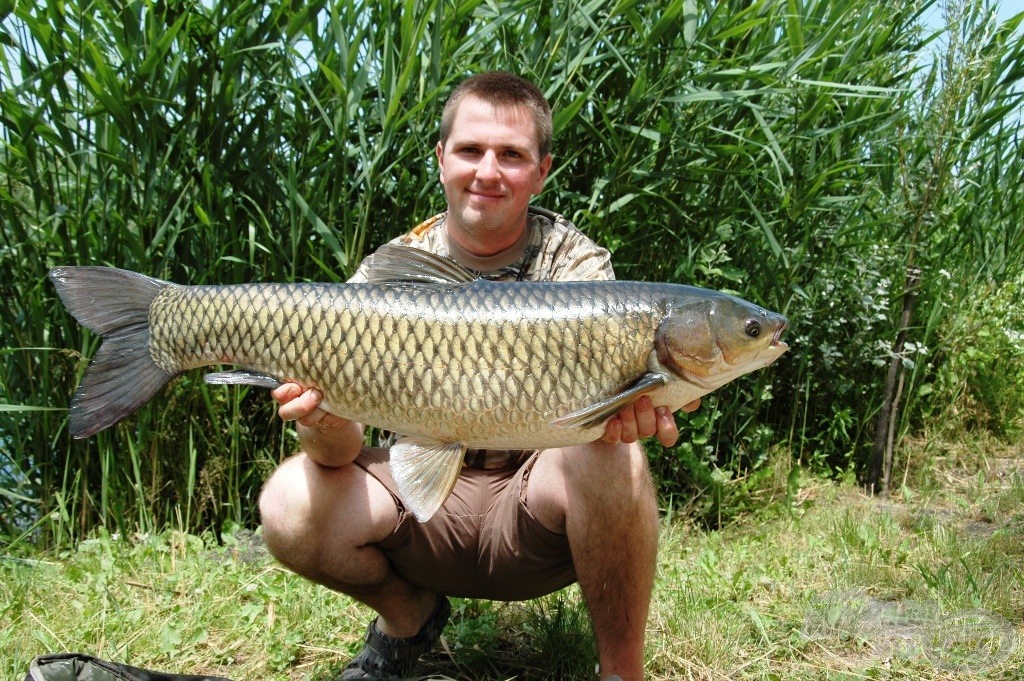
[299,404]
[328,439]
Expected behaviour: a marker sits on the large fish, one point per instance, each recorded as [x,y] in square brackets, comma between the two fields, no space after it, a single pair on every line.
[424,349]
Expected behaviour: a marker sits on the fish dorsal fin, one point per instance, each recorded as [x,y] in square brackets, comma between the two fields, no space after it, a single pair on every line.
[392,263]
[425,472]
[594,414]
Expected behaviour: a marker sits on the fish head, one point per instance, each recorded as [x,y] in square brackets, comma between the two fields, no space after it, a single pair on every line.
[712,338]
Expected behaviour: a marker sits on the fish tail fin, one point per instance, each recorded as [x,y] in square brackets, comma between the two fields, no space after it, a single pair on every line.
[122,376]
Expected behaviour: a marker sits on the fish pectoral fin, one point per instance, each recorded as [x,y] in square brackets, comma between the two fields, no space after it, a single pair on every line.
[594,414]
[425,473]
[242,377]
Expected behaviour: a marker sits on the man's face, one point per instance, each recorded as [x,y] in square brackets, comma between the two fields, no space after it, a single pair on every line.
[490,167]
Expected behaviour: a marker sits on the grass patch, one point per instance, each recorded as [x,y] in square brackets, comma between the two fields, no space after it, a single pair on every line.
[824,584]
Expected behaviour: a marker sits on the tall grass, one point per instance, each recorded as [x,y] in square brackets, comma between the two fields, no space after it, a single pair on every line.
[782,150]
[962,137]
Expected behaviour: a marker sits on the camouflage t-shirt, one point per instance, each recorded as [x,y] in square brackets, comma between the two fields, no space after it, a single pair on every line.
[551,249]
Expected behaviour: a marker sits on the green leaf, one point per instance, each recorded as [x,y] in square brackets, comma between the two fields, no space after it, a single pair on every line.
[27,408]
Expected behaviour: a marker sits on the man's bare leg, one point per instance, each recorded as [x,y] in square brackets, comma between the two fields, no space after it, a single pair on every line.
[601,496]
[323,523]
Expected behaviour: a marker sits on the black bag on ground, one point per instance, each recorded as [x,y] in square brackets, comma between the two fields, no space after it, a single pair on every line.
[78,667]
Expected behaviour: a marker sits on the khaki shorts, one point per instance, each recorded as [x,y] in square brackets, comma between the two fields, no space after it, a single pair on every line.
[483,542]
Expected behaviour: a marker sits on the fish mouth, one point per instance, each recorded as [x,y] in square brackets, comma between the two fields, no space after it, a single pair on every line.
[777,337]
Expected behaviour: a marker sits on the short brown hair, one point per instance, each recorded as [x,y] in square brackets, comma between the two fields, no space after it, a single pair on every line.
[503,89]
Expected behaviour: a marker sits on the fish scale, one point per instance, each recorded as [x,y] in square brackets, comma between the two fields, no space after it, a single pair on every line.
[453,364]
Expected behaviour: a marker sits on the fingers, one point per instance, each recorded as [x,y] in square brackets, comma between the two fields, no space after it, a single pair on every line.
[298,404]
[642,420]
[286,392]
[613,431]
[633,422]
[627,424]
[668,432]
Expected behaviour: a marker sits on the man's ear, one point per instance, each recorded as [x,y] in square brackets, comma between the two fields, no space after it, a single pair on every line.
[439,153]
[545,168]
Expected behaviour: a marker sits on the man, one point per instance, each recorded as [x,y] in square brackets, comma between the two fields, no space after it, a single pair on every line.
[518,524]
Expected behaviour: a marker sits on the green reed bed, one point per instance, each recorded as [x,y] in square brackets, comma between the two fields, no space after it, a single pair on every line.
[803,154]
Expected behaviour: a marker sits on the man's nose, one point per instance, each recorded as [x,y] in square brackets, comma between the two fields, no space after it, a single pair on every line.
[487,168]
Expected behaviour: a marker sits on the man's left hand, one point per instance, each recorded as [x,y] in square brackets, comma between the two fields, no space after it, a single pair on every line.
[642,420]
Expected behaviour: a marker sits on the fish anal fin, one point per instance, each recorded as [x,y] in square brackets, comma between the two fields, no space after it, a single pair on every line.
[425,473]
[598,412]
[242,377]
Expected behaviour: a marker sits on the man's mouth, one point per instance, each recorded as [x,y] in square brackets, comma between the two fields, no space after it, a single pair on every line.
[485,195]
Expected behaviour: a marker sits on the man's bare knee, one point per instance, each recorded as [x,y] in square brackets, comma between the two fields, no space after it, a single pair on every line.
[285,512]
[588,474]
[311,515]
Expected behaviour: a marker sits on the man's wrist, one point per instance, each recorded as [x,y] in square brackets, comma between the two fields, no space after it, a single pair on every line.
[331,441]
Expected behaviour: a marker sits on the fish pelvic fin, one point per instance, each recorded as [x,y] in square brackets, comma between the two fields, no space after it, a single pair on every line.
[596,413]
[122,376]
[425,473]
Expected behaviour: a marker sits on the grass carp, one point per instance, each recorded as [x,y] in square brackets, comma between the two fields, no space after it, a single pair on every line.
[423,348]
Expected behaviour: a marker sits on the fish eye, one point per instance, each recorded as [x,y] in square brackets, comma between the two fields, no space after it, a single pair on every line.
[753,328]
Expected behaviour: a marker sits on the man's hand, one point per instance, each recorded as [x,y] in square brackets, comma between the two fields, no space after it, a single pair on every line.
[326,438]
[642,420]
[301,405]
